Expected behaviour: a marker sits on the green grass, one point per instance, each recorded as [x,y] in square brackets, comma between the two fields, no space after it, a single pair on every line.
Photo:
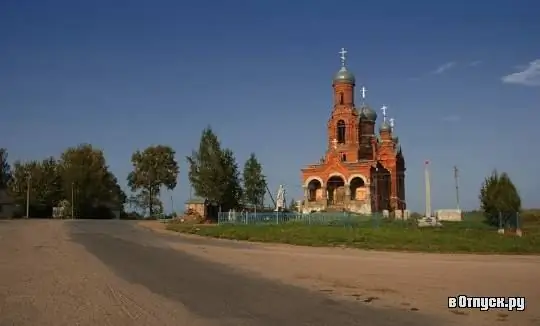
[469,236]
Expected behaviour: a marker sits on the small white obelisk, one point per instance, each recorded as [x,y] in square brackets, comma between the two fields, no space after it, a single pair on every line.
[428,190]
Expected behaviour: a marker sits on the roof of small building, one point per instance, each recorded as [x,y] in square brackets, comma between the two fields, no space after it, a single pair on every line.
[196,200]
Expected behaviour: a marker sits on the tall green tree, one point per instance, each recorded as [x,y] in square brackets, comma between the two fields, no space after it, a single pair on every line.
[5,169]
[205,167]
[140,203]
[498,195]
[45,185]
[213,172]
[21,175]
[153,168]
[86,176]
[231,184]
[254,181]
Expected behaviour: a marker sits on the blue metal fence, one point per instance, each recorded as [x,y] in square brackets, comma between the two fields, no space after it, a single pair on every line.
[322,218]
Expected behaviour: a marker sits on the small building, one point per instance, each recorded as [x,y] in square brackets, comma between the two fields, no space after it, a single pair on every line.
[197,205]
[8,208]
[205,208]
[454,215]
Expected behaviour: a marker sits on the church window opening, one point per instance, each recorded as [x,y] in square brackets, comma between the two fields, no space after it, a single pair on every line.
[341,98]
[341,132]
[343,157]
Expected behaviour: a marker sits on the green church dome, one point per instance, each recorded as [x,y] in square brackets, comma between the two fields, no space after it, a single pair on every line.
[367,113]
[343,76]
[385,126]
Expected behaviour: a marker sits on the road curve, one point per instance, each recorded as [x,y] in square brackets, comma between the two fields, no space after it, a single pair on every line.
[115,273]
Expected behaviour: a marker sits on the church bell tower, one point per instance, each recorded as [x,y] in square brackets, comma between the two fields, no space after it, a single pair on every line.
[343,122]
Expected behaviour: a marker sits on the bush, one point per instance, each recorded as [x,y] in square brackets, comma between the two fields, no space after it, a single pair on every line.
[499,200]
[131,216]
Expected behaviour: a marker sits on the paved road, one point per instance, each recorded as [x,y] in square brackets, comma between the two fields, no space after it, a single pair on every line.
[115,273]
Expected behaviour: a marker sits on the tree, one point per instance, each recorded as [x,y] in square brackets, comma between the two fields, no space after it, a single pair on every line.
[45,185]
[254,182]
[5,169]
[213,172]
[231,184]
[19,181]
[205,167]
[498,195]
[153,168]
[293,207]
[81,173]
[86,176]
[140,203]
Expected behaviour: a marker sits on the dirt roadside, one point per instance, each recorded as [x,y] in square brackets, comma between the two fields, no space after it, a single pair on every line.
[46,279]
[409,281]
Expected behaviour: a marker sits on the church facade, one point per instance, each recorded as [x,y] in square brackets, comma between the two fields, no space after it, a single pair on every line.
[363,171]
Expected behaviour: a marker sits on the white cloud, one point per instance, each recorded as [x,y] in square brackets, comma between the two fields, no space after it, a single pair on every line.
[528,76]
[444,67]
[475,63]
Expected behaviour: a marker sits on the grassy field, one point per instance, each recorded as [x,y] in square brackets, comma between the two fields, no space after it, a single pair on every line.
[469,236]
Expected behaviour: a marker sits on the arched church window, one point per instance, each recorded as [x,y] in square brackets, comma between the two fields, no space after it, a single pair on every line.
[341,132]
[341,98]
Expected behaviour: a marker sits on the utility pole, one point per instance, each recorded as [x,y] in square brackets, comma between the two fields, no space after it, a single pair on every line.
[456,179]
[428,189]
[28,177]
[172,205]
[72,200]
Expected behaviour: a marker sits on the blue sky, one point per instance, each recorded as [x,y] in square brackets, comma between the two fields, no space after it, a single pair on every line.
[123,75]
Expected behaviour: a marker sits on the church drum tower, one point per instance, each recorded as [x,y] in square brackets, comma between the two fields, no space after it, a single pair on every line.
[361,172]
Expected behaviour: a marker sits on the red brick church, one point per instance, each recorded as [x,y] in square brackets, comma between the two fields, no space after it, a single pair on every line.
[362,171]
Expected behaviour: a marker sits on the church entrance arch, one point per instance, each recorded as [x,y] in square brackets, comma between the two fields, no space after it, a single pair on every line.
[336,190]
[314,190]
[358,189]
